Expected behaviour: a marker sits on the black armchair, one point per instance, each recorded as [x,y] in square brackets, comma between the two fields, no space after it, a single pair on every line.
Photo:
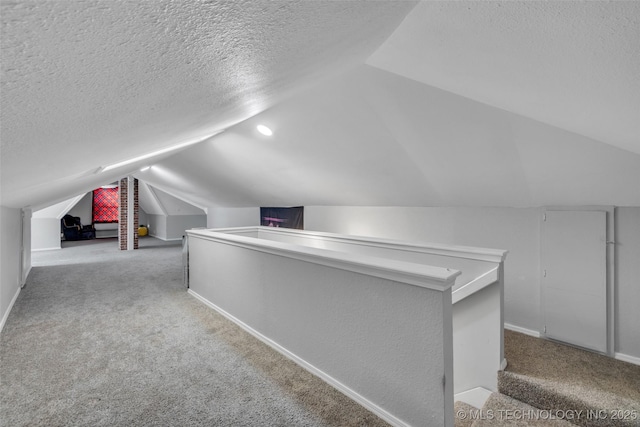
[72,229]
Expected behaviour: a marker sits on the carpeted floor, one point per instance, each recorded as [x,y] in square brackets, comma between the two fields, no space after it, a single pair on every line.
[593,389]
[104,337]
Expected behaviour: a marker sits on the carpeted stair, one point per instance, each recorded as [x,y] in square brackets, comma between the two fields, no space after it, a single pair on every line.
[464,414]
[582,387]
[500,410]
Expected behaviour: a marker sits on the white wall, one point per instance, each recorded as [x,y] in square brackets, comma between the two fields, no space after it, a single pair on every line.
[45,223]
[177,224]
[516,230]
[45,233]
[10,269]
[157,225]
[477,336]
[174,206]
[172,227]
[628,281]
[26,239]
[385,343]
[84,209]
[233,217]
[143,218]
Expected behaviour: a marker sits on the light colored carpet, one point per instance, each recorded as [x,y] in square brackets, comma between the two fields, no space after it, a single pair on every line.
[500,410]
[103,337]
[550,375]
[464,414]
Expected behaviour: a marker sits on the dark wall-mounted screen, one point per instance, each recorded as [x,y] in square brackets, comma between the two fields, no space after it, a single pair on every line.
[283,217]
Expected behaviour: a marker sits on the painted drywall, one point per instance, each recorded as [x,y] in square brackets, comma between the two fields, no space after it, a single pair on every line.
[173,227]
[10,247]
[477,318]
[177,224]
[628,281]
[45,222]
[168,216]
[164,51]
[143,218]
[232,217]
[157,225]
[477,334]
[57,210]
[393,141]
[84,209]
[313,310]
[516,230]
[45,233]
[174,206]
[27,214]
[148,200]
[536,58]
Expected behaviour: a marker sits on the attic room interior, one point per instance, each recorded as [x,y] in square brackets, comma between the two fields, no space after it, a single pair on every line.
[164,217]
[432,148]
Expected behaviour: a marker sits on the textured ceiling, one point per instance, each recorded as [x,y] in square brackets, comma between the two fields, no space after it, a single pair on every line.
[572,64]
[88,83]
[371,137]
[461,103]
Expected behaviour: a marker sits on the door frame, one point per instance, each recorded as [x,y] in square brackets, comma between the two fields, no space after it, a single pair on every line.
[610,268]
[25,244]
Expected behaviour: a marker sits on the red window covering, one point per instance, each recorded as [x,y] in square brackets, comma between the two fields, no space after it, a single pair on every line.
[105,205]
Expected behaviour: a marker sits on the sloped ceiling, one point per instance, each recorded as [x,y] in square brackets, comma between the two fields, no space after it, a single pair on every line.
[371,137]
[89,83]
[462,103]
[156,202]
[574,65]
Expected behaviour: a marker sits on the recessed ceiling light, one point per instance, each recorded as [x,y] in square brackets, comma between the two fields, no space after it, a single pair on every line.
[264,130]
[145,168]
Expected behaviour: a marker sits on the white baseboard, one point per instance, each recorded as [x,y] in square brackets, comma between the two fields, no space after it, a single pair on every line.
[503,364]
[522,330]
[26,275]
[46,249]
[619,356]
[626,358]
[391,419]
[175,239]
[474,397]
[6,314]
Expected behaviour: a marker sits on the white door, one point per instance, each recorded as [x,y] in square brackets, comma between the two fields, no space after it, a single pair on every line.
[574,277]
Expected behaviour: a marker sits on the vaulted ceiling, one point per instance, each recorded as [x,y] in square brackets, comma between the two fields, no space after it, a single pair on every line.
[371,103]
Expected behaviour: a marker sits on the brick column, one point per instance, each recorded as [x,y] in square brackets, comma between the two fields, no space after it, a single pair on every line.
[128,218]
[122,211]
[136,221]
